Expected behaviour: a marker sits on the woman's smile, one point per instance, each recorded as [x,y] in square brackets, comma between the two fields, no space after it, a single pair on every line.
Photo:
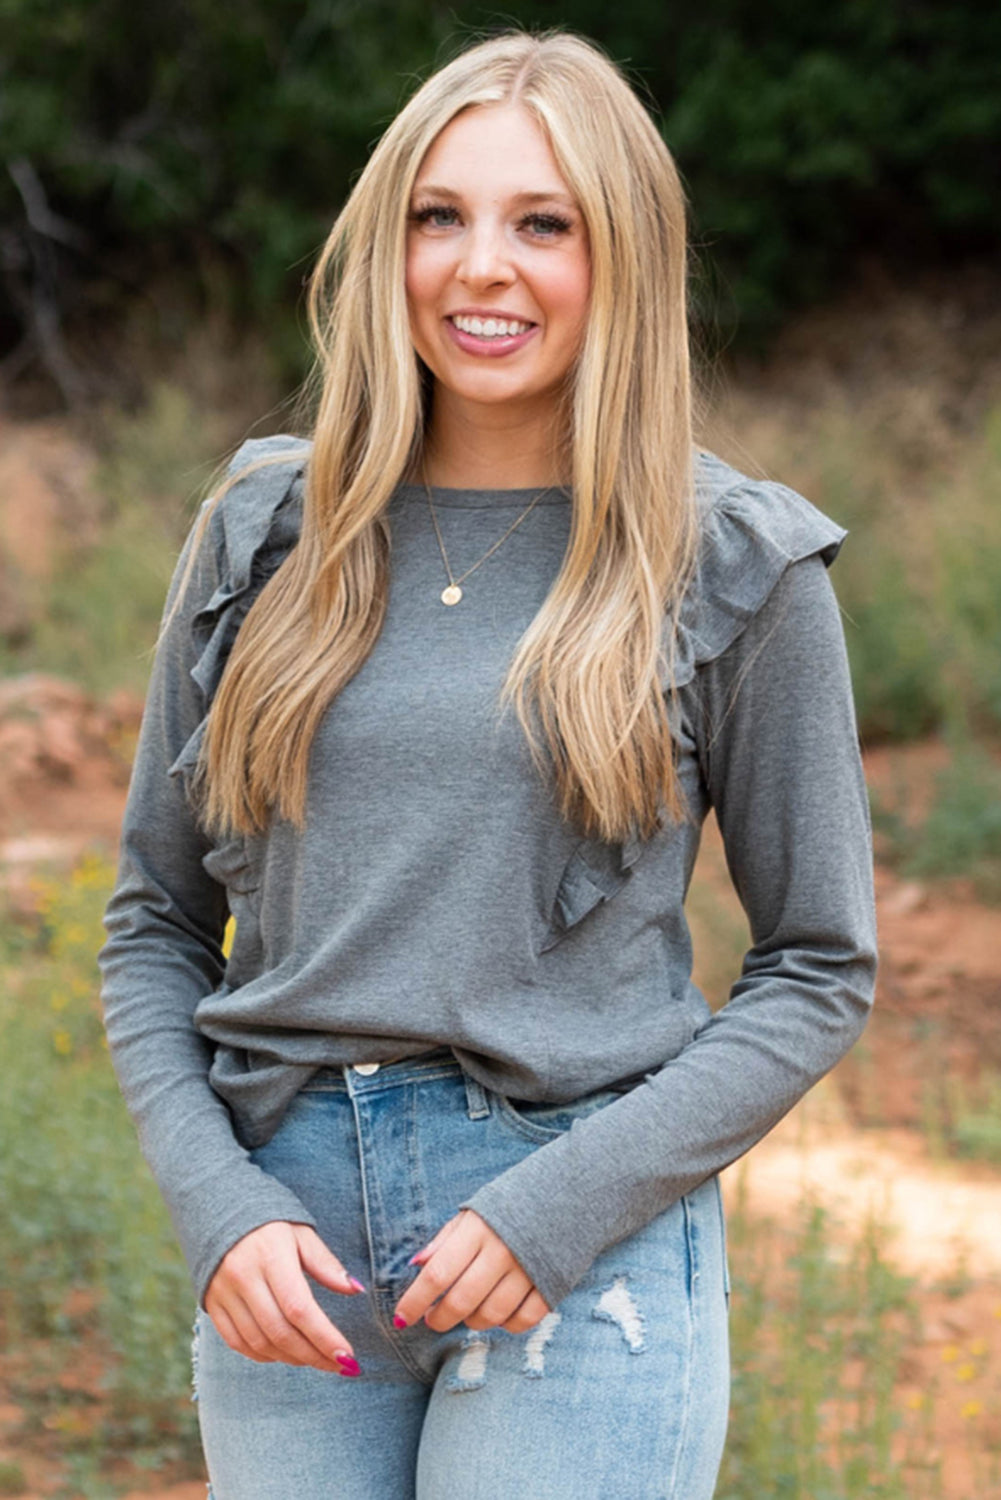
[489,335]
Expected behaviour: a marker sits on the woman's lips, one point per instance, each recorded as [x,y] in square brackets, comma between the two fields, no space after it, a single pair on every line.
[490,348]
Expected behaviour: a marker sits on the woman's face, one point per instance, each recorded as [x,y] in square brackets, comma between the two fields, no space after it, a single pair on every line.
[495,237]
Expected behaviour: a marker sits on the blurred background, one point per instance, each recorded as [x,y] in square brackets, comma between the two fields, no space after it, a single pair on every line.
[167,176]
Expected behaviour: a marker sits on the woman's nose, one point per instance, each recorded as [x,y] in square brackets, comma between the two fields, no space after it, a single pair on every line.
[485,257]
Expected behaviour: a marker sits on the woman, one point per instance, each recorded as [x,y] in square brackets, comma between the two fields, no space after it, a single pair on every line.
[440,704]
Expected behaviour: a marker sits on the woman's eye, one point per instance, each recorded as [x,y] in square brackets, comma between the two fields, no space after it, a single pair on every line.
[434,214]
[444,216]
[547,226]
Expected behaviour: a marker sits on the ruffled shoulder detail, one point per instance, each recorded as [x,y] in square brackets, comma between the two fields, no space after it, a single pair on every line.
[260,520]
[752,530]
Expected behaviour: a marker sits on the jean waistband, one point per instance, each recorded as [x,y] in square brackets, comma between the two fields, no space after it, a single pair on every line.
[383,1070]
[436,1062]
[432,1054]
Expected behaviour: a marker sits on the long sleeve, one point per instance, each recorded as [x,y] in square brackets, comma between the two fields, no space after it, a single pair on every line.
[780,760]
[164,923]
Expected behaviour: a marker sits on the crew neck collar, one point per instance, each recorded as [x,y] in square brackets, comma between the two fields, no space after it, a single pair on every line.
[478,499]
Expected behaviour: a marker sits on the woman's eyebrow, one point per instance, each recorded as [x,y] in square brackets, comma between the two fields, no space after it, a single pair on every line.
[524,197]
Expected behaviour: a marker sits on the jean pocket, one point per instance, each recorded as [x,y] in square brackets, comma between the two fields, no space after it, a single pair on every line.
[539,1121]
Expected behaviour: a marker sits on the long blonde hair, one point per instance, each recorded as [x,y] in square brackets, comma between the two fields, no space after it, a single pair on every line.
[588,676]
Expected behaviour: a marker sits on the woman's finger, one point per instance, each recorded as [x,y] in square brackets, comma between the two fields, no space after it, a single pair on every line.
[465,1293]
[262,1285]
[433,1244]
[528,1314]
[322,1264]
[439,1271]
[231,1335]
[293,1319]
[255,1337]
[499,1304]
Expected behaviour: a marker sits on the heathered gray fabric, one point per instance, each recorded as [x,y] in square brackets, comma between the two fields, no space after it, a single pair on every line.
[436,898]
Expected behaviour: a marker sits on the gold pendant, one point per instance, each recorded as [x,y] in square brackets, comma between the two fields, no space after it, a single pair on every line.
[452,594]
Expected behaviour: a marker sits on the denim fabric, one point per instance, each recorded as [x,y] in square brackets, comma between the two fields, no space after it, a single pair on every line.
[622,1390]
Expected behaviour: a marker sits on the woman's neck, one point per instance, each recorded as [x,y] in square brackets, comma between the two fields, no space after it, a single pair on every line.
[491,450]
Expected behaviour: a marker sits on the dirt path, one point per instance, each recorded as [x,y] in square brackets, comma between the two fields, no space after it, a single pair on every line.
[193,1491]
[936,1215]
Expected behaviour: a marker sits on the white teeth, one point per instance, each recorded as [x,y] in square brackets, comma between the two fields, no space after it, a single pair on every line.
[490,328]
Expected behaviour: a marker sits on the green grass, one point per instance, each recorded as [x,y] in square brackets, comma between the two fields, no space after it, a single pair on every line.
[973,1115]
[919,577]
[12,1481]
[959,834]
[87,1256]
[976,1132]
[819,1329]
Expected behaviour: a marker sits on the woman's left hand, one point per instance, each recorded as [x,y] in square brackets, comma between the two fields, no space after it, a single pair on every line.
[470,1276]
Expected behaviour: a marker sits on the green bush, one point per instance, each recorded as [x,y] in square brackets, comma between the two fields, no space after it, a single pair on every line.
[960,834]
[175,134]
[807,1310]
[895,653]
[919,578]
[968,580]
[103,604]
[975,1130]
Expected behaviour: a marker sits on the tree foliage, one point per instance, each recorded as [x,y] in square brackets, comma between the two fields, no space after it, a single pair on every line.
[146,135]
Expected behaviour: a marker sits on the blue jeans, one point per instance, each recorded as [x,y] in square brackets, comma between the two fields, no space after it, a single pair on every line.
[622,1390]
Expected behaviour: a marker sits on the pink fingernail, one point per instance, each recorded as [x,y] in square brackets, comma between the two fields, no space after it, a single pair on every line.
[399,1322]
[415,1258]
[356,1283]
[349,1365]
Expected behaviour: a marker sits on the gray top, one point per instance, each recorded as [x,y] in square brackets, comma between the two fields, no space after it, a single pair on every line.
[436,898]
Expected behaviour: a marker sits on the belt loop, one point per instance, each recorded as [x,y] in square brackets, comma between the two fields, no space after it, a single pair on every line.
[477,1103]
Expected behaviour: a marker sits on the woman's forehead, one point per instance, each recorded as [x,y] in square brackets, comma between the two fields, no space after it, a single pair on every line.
[503,143]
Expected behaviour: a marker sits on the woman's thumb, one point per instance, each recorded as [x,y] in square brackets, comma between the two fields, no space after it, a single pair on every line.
[322,1264]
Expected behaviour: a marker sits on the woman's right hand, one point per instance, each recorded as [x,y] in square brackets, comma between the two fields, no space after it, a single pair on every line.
[262,1305]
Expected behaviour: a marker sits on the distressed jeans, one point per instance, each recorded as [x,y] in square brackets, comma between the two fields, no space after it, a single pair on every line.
[621,1390]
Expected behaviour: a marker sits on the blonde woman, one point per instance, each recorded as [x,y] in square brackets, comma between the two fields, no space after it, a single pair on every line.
[441,701]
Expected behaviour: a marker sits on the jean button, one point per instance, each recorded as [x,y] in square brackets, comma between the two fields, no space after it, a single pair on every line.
[366,1068]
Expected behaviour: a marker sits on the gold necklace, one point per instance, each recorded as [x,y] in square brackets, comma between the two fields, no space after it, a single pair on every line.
[453,593]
